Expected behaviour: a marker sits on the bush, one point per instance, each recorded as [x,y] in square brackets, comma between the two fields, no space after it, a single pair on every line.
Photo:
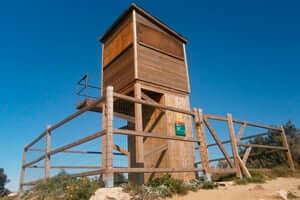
[165,183]
[245,181]
[281,171]
[64,187]
[165,186]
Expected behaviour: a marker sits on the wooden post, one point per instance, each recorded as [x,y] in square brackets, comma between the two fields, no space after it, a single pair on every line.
[199,124]
[288,152]
[23,170]
[109,176]
[139,151]
[48,149]
[103,139]
[235,153]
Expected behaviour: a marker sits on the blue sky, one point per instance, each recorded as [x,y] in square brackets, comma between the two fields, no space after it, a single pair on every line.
[243,56]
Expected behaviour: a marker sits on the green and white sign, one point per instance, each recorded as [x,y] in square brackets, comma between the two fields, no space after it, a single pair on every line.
[180,129]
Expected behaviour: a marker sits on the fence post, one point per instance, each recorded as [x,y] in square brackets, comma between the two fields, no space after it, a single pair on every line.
[109,176]
[288,152]
[23,170]
[48,149]
[235,153]
[199,124]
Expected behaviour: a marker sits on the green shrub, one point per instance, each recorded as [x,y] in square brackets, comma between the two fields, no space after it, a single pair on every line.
[281,171]
[208,185]
[174,185]
[64,187]
[245,181]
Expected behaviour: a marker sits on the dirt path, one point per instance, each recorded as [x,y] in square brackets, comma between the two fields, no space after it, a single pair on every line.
[266,191]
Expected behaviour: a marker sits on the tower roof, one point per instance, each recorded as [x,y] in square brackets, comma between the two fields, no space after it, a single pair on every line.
[145,14]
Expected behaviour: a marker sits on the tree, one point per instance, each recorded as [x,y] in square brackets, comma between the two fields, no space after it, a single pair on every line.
[261,159]
[3,181]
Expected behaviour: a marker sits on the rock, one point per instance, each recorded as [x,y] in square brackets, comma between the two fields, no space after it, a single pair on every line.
[257,187]
[110,194]
[283,194]
[225,184]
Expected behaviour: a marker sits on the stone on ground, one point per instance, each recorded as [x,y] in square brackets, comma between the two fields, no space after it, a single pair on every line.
[110,194]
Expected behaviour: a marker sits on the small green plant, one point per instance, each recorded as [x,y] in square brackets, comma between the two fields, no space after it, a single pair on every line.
[64,187]
[209,185]
[165,183]
[245,181]
[281,171]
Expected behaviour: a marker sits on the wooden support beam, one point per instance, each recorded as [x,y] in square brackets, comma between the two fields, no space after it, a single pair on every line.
[120,149]
[157,150]
[109,177]
[218,141]
[124,116]
[156,105]
[241,132]
[263,146]
[150,100]
[288,152]
[155,170]
[48,149]
[235,152]
[243,167]
[246,155]
[23,170]
[154,135]
[200,131]
[139,143]
[67,167]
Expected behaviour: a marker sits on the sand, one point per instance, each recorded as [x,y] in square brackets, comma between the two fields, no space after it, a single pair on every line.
[266,191]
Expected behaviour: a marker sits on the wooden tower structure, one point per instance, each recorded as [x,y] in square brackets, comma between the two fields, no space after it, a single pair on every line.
[144,58]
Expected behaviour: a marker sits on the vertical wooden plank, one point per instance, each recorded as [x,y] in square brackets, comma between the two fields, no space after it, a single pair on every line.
[102,66]
[288,152]
[235,153]
[48,149]
[109,177]
[23,170]
[103,138]
[186,68]
[199,125]
[135,52]
[139,127]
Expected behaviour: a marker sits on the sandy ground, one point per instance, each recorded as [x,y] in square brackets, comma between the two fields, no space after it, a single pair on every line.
[266,191]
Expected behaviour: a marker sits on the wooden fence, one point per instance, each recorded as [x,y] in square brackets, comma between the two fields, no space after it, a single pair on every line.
[202,122]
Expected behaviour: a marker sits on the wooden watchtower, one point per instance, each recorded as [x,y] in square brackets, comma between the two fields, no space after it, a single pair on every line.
[144,58]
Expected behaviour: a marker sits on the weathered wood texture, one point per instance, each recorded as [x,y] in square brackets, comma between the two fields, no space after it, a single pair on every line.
[160,40]
[160,69]
[200,130]
[120,73]
[47,150]
[288,152]
[235,152]
[119,40]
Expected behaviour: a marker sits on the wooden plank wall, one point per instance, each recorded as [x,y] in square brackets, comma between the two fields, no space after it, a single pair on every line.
[180,154]
[121,38]
[160,56]
[120,72]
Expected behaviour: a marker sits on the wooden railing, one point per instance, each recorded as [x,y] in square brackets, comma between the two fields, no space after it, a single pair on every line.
[236,162]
